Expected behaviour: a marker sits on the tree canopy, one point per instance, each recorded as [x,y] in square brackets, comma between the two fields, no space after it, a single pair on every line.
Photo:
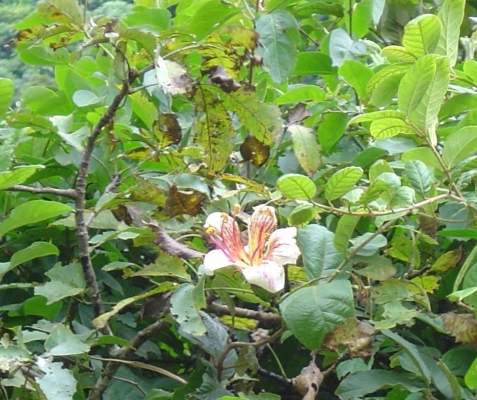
[208,199]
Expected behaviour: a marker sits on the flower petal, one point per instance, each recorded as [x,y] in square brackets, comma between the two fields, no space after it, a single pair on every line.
[216,259]
[216,220]
[269,275]
[262,224]
[282,247]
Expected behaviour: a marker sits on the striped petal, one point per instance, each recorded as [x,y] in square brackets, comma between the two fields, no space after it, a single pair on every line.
[282,247]
[269,276]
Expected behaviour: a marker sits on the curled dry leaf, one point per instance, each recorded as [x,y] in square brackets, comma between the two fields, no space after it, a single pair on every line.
[167,129]
[255,151]
[181,202]
[462,326]
[355,335]
[308,382]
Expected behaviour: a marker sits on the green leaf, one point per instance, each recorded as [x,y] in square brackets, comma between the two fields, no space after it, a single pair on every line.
[331,129]
[32,212]
[57,382]
[459,145]
[35,250]
[203,21]
[342,47]
[421,92]
[279,35]
[376,116]
[470,377]
[157,18]
[67,11]
[63,342]
[17,175]
[383,85]
[65,282]
[419,176]
[398,53]
[342,181]
[301,93]
[185,312]
[6,95]
[357,75]
[365,382]
[388,127]
[422,34]
[320,257]
[451,15]
[297,187]
[314,63]
[260,118]
[214,131]
[413,352]
[85,98]
[302,215]
[370,248]
[344,231]
[306,148]
[313,311]
[423,154]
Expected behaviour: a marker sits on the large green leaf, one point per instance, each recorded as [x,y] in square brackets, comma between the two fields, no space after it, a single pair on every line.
[17,175]
[388,127]
[311,312]
[383,85]
[419,176]
[422,34]
[357,75]
[365,382]
[306,148]
[63,342]
[295,186]
[342,47]
[320,256]
[32,212]
[459,145]
[331,129]
[421,92]
[344,231]
[56,382]
[342,181]
[279,37]
[377,115]
[6,95]
[451,15]
[35,250]
[64,282]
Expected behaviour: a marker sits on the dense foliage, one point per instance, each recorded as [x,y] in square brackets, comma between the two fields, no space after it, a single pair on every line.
[233,199]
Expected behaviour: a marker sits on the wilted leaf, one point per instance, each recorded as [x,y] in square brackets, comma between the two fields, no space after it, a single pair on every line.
[306,148]
[255,151]
[172,77]
[309,381]
[298,113]
[355,335]
[167,130]
[220,76]
[395,313]
[447,261]
[181,202]
[462,326]
[249,185]
[147,192]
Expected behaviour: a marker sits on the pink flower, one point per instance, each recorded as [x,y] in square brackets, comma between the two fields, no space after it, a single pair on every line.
[261,260]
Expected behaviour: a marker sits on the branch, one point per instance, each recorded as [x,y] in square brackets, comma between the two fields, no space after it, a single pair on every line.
[266,319]
[70,193]
[113,365]
[233,345]
[81,182]
[171,246]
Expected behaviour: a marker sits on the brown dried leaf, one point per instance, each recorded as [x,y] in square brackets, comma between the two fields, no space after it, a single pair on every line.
[220,75]
[355,335]
[462,326]
[181,202]
[172,77]
[255,151]
[308,382]
[428,225]
[167,130]
[298,113]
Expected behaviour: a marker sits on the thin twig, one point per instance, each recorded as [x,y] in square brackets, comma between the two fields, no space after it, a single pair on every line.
[267,320]
[81,182]
[233,345]
[113,365]
[70,193]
